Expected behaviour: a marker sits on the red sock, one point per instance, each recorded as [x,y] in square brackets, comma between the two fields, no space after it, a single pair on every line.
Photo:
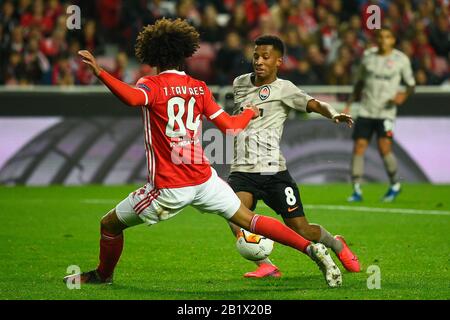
[110,251]
[275,230]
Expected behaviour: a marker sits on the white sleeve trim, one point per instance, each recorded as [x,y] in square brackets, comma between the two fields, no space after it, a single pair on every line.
[146,96]
[216,114]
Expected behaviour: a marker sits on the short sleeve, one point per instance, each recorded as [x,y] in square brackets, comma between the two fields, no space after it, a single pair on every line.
[210,107]
[295,98]
[407,73]
[149,88]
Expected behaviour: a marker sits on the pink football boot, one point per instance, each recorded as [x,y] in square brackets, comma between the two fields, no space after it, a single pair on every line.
[348,259]
[264,270]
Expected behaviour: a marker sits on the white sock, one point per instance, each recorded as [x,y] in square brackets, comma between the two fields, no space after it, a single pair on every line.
[396,186]
[308,250]
[266,261]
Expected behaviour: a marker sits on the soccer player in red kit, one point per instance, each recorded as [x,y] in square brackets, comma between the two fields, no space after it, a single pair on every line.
[172,105]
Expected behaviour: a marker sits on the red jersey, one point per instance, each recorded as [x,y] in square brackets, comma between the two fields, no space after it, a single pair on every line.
[172,121]
[173,104]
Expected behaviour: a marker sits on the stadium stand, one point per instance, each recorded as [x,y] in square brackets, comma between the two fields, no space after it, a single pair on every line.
[324,38]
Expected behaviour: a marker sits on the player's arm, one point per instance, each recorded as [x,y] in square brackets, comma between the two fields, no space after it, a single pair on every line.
[355,96]
[226,123]
[326,110]
[357,91]
[127,94]
[234,124]
[401,97]
[408,77]
[357,88]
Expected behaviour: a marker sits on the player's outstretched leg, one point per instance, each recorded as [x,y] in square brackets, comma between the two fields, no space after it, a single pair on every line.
[277,231]
[111,245]
[266,268]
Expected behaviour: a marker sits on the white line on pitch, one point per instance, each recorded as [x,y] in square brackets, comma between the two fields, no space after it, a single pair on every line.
[384,210]
[101,201]
[320,207]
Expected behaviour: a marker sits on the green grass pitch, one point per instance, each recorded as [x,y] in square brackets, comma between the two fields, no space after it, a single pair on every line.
[193,256]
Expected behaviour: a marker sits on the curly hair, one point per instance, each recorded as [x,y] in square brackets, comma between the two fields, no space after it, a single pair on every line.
[167,43]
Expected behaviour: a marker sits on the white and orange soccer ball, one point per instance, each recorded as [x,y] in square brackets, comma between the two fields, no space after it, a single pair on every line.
[252,246]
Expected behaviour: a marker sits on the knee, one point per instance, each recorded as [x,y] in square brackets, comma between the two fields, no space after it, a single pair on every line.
[384,147]
[384,151]
[104,223]
[242,218]
[300,228]
[109,223]
[359,149]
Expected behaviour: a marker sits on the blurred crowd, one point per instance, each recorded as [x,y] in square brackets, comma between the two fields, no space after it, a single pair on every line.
[324,38]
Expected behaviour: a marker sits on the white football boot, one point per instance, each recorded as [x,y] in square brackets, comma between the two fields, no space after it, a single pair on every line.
[330,270]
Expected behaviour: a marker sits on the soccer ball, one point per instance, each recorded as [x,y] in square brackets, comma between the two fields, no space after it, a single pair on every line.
[252,246]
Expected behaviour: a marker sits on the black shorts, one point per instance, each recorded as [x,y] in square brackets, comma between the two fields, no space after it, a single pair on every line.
[366,127]
[279,191]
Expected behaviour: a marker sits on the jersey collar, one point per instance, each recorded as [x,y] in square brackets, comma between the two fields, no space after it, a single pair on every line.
[252,81]
[181,73]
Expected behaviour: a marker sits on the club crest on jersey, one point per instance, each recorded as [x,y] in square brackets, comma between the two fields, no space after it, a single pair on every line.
[390,63]
[264,93]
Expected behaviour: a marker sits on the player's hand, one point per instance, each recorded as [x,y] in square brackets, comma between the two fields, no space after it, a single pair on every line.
[347,109]
[255,110]
[399,98]
[89,59]
[342,117]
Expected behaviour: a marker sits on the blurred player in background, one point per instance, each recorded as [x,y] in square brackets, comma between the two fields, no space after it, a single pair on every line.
[377,86]
[172,104]
[258,170]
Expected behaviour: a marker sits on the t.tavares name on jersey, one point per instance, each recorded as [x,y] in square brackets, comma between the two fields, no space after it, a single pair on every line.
[179,90]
